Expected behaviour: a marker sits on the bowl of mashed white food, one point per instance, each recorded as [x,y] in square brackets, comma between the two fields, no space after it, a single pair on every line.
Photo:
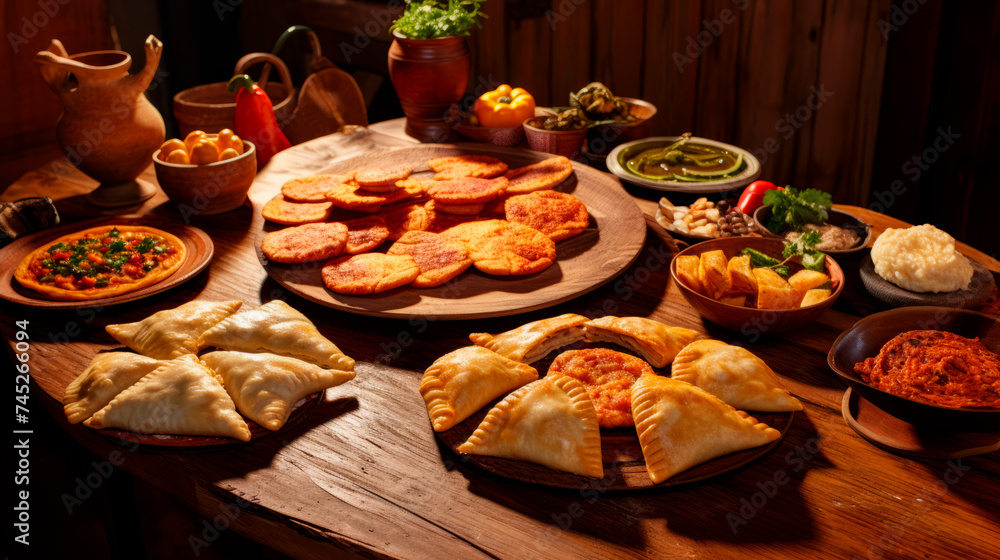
[919,265]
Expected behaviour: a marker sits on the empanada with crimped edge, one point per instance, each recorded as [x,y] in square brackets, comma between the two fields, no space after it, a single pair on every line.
[278,328]
[532,341]
[550,421]
[181,397]
[654,341]
[680,426]
[265,387]
[170,333]
[459,383]
[733,374]
[108,374]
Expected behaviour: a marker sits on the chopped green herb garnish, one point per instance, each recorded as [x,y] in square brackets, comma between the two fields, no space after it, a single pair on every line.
[114,232]
[47,278]
[57,247]
[145,245]
[101,282]
[116,247]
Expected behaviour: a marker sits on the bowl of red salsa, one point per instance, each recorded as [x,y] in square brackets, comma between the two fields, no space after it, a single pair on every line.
[959,395]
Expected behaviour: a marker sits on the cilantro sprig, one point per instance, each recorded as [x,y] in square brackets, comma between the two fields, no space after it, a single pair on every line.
[434,19]
[792,208]
[805,249]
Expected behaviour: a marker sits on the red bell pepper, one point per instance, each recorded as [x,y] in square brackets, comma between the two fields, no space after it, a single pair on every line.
[753,196]
[255,120]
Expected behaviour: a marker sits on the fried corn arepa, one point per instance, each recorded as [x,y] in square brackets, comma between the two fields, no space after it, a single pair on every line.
[468,165]
[381,179]
[305,243]
[313,188]
[558,215]
[415,185]
[436,208]
[439,258]
[608,377]
[545,174]
[408,217]
[351,197]
[502,248]
[280,210]
[467,190]
[365,234]
[441,221]
[369,273]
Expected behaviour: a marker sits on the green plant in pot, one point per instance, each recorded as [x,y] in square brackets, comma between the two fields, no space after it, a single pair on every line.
[429,62]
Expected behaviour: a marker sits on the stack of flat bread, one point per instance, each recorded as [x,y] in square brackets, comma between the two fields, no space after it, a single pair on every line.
[474,212]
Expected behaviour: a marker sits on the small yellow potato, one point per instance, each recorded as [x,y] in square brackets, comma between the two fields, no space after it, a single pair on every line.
[228,153]
[178,156]
[194,137]
[204,152]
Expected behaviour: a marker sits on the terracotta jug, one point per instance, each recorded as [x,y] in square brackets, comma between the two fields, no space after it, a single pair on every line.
[108,129]
[429,75]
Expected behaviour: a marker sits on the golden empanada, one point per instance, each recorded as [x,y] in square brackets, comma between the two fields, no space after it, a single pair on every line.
[108,374]
[680,426]
[170,333]
[652,340]
[181,397]
[277,327]
[459,383]
[734,375]
[532,341]
[265,387]
[550,421]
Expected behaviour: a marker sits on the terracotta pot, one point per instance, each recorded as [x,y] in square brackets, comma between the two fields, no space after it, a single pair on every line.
[567,143]
[108,129]
[429,75]
[213,188]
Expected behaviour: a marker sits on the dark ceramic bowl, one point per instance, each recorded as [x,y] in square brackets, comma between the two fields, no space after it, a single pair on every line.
[866,338]
[749,320]
[838,218]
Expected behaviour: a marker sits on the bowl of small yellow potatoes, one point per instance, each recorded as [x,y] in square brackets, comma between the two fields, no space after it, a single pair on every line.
[206,173]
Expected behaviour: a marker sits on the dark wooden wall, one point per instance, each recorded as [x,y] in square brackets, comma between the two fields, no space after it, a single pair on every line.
[836,95]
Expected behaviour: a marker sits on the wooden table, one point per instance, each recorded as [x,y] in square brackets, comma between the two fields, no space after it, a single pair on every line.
[365,474]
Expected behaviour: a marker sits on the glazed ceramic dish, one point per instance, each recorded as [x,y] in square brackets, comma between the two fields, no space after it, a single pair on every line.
[838,218]
[866,338]
[621,154]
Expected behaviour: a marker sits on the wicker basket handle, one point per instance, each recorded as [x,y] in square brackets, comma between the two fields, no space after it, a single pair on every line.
[268,60]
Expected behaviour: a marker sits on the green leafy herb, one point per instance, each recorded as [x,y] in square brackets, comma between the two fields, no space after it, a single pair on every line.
[114,232]
[434,19]
[792,209]
[145,245]
[805,248]
[116,247]
[58,247]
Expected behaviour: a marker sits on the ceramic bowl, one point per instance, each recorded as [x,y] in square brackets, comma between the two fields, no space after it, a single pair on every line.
[617,162]
[560,142]
[866,338]
[510,136]
[838,218]
[602,138]
[750,320]
[213,188]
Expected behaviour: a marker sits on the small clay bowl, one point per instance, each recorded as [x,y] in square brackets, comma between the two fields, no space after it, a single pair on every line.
[207,189]
[866,338]
[510,136]
[559,142]
[749,320]
[602,138]
[838,218]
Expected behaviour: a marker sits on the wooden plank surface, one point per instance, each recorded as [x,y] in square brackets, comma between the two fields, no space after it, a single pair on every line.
[365,474]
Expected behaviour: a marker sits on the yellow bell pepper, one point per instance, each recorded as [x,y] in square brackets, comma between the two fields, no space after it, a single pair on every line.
[504,107]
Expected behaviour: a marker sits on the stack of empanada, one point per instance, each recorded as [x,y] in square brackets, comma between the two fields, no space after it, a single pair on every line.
[270,358]
[681,421]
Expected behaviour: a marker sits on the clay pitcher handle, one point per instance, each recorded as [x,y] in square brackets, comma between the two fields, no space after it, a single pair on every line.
[141,80]
[52,65]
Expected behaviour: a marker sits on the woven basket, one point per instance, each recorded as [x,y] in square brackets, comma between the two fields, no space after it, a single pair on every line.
[212,107]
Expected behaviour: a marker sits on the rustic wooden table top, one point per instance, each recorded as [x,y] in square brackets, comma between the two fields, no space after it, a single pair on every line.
[364,473]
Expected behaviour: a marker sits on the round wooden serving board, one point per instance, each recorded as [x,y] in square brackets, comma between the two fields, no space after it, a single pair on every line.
[585,262]
[300,411]
[624,465]
[199,254]
[978,293]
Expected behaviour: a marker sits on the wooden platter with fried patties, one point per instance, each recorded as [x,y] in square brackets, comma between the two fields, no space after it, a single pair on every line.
[449,232]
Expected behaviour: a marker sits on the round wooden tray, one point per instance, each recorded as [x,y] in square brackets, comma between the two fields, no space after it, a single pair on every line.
[892,434]
[300,411]
[624,465]
[585,262]
[199,254]
[977,294]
